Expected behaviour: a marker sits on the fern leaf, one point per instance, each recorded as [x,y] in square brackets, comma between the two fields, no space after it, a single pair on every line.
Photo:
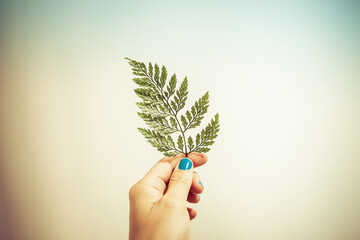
[180,143]
[208,134]
[160,107]
[198,111]
[181,95]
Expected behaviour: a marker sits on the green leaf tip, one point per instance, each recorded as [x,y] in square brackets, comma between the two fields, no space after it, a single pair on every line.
[161,105]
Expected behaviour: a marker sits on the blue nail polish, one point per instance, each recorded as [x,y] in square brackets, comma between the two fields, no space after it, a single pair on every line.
[185,164]
[201,184]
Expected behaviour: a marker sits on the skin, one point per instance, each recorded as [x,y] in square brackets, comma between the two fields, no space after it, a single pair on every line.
[158,201]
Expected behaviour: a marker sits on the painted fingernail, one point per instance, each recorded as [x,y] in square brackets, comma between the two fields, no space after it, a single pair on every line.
[185,164]
[201,184]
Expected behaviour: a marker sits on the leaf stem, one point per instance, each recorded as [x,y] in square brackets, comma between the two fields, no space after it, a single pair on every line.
[183,134]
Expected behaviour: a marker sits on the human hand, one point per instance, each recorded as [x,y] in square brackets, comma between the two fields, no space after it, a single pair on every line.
[158,201]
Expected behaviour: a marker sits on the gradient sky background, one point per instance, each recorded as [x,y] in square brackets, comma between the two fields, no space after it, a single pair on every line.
[283,75]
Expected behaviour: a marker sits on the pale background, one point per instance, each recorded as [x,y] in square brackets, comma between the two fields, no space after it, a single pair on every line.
[283,75]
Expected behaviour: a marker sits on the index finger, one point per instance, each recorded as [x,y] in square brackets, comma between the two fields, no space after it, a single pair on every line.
[198,158]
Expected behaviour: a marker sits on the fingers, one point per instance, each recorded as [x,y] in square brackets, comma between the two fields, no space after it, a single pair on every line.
[196,185]
[180,181]
[192,213]
[162,168]
[159,175]
[193,197]
[195,189]
[198,159]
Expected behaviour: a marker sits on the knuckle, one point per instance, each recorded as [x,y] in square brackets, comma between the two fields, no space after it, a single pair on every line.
[133,192]
[180,179]
[170,203]
[164,159]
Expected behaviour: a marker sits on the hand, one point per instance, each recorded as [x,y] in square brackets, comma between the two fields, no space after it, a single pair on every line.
[158,201]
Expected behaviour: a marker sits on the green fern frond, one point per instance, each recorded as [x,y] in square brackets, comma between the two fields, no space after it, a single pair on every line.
[160,108]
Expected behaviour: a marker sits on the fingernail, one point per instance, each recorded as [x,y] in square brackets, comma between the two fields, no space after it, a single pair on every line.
[185,164]
[201,184]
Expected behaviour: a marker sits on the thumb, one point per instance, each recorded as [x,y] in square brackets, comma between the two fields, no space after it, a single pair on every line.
[181,180]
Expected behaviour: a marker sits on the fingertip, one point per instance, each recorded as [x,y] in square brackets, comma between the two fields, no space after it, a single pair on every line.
[173,161]
[181,180]
[193,197]
[198,158]
[186,164]
[197,186]
[192,213]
